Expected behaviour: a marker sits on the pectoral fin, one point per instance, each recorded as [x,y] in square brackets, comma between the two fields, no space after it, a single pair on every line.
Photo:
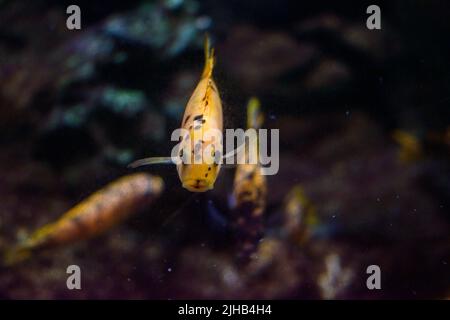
[150,161]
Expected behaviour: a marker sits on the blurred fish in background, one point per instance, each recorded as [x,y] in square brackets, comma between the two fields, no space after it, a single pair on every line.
[93,216]
[249,188]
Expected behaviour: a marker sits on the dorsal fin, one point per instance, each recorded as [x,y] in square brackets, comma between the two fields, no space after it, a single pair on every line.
[255,117]
[209,59]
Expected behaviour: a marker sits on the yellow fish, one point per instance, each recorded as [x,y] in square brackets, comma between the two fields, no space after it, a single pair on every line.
[203,115]
[249,191]
[249,184]
[93,216]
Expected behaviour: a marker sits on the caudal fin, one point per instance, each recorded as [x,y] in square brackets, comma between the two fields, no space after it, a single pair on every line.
[209,59]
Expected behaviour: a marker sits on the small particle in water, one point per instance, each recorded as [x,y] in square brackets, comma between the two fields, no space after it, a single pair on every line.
[347,113]
[397,196]
[378,200]
[202,245]
[333,216]
[272,116]
[444,262]
[230,277]
[169,269]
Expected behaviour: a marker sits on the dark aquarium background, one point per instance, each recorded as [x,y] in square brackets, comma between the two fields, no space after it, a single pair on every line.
[364,119]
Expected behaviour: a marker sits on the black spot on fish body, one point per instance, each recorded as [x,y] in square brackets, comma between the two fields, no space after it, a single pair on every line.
[186,120]
[76,220]
[197,184]
[199,117]
[250,176]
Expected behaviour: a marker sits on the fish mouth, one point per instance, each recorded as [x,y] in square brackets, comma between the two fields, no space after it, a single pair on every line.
[197,185]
